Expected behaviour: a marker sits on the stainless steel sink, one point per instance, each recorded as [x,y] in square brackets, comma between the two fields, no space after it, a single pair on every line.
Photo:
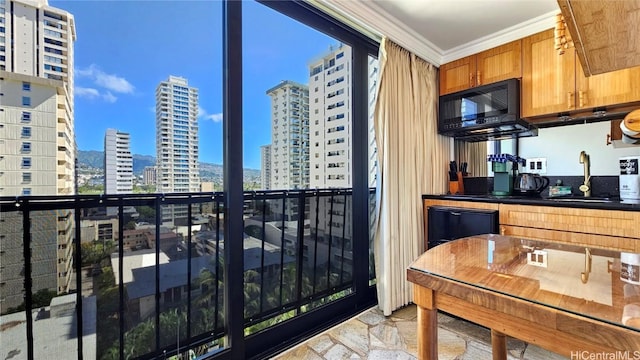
[583,199]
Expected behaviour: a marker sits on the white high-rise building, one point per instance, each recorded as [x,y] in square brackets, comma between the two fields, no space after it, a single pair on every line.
[330,133]
[330,119]
[37,142]
[118,163]
[289,135]
[176,142]
[265,167]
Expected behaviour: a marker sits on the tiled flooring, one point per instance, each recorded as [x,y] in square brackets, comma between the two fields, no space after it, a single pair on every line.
[371,335]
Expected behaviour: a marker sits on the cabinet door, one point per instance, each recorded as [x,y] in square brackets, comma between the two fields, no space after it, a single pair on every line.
[548,79]
[458,75]
[615,87]
[500,63]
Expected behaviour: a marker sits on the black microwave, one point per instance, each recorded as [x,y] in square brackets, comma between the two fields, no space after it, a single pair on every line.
[487,112]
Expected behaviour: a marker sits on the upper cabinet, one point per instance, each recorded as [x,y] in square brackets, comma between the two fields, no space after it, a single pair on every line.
[548,79]
[553,83]
[615,87]
[458,75]
[605,33]
[500,63]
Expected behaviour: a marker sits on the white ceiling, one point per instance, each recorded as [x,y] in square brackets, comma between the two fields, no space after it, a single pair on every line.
[444,30]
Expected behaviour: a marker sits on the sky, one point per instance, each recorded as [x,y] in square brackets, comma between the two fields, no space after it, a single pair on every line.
[124,49]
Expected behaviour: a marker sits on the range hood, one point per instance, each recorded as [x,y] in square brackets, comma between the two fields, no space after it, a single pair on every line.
[517,129]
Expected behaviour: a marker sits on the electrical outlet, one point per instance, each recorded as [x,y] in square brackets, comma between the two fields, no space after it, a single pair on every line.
[537,258]
[536,166]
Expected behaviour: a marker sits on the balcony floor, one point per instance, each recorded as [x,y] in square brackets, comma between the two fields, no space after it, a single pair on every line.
[371,335]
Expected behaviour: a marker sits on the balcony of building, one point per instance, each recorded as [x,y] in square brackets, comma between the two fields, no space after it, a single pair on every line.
[167,295]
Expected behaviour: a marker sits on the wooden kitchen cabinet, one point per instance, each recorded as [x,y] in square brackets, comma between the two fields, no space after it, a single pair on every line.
[548,79]
[500,63]
[615,87]
[458,75]
[553,83]
[595,228]
[609,229]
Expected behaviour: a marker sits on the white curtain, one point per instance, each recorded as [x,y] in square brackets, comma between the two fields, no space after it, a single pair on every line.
[475,154]
[412,161]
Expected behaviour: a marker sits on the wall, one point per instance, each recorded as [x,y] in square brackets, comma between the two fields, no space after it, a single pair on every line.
[562,145]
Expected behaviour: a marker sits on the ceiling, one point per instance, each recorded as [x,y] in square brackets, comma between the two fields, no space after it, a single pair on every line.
[444,30]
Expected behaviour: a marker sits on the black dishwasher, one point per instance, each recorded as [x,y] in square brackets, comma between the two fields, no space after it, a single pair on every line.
[450,223]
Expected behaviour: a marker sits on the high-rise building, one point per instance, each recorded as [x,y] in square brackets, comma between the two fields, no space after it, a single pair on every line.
[149,175]
[176,142]
[118,163]
[289,135]
[330,119]
[265,167]
[330,133]
[37,142]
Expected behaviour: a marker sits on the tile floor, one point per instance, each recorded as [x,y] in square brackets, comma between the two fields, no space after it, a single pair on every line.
[371,335]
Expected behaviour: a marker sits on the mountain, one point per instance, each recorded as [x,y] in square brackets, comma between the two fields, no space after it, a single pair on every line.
[92,159]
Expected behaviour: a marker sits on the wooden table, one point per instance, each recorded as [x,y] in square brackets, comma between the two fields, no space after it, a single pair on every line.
[564,298]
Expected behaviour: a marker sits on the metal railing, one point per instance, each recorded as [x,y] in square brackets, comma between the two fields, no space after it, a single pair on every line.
[99,266]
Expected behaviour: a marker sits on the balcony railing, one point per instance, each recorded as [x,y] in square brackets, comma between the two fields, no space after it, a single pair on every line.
[146,291]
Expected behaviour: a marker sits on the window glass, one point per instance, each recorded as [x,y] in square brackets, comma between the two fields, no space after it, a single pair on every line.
[26,86]
[26,131]
[26,101]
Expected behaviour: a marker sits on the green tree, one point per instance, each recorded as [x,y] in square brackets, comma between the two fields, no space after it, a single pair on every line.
[146,213]
[131,225]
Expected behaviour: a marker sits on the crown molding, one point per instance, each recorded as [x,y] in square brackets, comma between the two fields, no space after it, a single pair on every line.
[519,31]
[370,15]
[375,20]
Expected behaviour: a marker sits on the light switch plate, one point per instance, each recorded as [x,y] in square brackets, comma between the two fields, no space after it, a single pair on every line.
[536,166]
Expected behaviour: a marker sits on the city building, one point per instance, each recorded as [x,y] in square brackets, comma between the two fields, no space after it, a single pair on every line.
[149,175]
[265,167]
[118,163]
[330,119]
[330,132]
[176,143]
[289,135]
[37,142]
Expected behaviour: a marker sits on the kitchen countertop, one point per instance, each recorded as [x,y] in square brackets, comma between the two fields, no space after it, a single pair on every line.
[540,201]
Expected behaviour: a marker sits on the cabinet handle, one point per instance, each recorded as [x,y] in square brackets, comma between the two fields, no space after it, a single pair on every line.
[471,82]
[582,98]
[503,230]
[478,81]
[570,99]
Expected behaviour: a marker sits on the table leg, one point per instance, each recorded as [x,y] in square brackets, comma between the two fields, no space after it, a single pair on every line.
[427,334]
[427,324]
[498,345]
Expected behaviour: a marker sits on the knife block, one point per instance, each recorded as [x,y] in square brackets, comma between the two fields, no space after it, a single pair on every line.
[457,187]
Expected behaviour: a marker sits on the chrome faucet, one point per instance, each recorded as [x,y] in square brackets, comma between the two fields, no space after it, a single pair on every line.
[586,186]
